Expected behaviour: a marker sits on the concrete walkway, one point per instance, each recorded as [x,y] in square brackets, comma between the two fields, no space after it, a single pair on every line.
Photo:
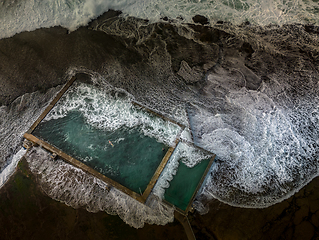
[186,225]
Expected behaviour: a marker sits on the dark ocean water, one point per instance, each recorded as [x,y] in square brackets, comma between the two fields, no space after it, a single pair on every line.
[246,84]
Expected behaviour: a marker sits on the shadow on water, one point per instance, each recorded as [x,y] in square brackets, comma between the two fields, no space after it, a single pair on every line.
[26,213]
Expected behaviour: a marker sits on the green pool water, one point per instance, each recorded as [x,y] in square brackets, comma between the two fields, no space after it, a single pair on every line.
[184,184]
[124,155]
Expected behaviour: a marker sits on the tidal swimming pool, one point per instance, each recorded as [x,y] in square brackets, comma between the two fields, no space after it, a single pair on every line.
[124,155]
[184,175]
[185,184]
[134,148]
[103,129]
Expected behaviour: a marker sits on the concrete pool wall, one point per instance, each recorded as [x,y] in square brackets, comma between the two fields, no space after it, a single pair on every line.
[138,196]
[180,213]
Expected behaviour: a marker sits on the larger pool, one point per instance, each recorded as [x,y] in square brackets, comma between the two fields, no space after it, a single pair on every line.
[102,128]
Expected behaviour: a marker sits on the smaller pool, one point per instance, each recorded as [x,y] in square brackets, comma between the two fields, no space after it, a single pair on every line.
[183,175]
[184,184]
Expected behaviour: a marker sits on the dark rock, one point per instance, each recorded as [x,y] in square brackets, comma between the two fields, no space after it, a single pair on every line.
[304,231]
[189,75]
[107,15]
[200,19]
[83,77]
[165,18]
[301,214]
[315,220]
[220,22]
[24,204]
[207,34]
[312,29]
[41,58]
[246,47]
[181,48]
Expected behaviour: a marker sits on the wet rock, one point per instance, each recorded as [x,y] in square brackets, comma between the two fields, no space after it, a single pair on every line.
[315,220]
[314,207]
[24,207]
[105,16]
[289,233]
[83,77]
[304,231]
[312,29]
[301,214]
[206,34]
[189,75]
[41,58]
[247,48]
[200,19]
[246,23]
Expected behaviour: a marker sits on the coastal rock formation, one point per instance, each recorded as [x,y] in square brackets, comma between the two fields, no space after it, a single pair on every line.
[200,19]
[248,93]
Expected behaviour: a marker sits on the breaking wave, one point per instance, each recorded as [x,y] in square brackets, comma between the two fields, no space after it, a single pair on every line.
[72,186]
[9,170]
[265,137]
[265,151]
[27,15]
[112,109]
[15,120]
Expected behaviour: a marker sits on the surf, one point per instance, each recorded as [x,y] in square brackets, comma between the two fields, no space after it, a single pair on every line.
[262,126]
[19,16]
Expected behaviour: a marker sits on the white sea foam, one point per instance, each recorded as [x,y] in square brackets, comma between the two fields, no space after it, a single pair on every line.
[9,170]
[262,156]
[167,175]
[264,150]
[16,119]
[186,135]
[74,187]
[28,15]
[111,110]
[62,181]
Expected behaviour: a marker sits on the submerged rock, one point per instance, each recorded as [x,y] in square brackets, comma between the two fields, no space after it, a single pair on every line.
[189,75]
[200,19]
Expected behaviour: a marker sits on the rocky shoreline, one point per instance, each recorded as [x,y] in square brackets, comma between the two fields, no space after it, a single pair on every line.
[148,59]
[27,213]
[41,59]
[295,218]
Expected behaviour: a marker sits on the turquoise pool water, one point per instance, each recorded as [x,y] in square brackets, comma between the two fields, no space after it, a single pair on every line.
[102,128]
[105,131]
[124,155]
[184,184]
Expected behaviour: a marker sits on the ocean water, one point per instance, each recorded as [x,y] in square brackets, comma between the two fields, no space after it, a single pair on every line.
[20,15]
[15,121]
[246,92]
